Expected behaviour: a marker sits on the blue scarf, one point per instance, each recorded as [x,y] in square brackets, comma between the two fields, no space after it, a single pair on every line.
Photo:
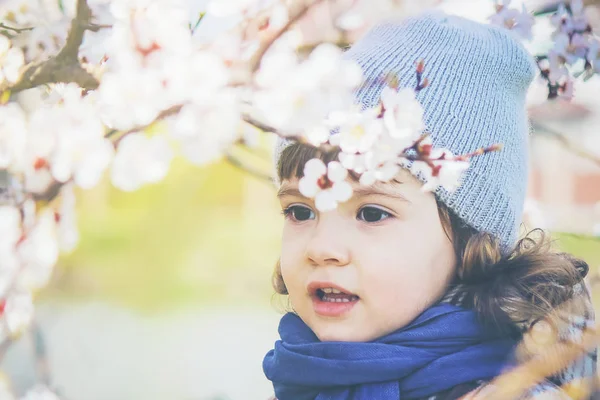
[443,347]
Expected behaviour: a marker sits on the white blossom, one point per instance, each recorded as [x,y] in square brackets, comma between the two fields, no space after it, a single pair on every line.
[535,215]
[566,22]
[555,66]
[353,162]
[327,196]
[140,160]
[204,132]
[13,136]
[571,49]
[18,311]
[10,232]
[5,391]
[40,392]
[594,55]
[403,115]
[358,131]
[68,235]
[318,134]
[130,98]
[448,175]
[364,13]
[11,61]
[296,96]
[38,252]
[567,89]
[384,172]
[50,26]
[226,8]
[73,137]
[520,22]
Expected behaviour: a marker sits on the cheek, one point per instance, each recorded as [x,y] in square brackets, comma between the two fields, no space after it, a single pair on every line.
[291,259]
[412,263]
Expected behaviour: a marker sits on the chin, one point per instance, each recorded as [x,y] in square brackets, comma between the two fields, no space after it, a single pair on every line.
[331,331]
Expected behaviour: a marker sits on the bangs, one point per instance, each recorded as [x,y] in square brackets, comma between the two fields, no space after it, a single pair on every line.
[295,156]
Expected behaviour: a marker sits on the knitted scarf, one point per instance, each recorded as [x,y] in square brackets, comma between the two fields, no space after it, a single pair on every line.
[445,346]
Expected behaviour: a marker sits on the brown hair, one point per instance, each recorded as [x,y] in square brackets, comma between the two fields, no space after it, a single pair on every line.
[509,292]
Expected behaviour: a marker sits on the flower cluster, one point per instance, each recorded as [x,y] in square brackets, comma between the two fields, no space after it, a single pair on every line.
[136,85]
[518,21]
[573,43]
[375,143]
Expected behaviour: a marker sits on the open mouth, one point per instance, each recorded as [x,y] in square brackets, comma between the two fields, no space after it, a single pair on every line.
[333,295]
[331,300]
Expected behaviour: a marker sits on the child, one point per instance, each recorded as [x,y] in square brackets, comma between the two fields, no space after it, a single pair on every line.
[401,293]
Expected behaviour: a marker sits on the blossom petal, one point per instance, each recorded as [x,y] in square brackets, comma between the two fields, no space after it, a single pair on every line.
[315,168]
[342,191]
[336,171]
[308,187]
[325,200]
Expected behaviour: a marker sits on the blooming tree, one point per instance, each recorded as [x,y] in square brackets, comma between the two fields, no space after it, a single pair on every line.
[121,87]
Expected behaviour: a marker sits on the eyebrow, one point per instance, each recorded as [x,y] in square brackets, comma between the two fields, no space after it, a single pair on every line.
[377,189]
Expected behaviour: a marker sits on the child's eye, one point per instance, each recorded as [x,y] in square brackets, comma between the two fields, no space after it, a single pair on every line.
[299,213]
[372,214]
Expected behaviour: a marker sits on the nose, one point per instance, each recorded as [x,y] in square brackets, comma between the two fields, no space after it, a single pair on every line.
[328,246]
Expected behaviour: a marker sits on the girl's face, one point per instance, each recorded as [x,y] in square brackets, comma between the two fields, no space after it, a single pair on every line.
[385,250]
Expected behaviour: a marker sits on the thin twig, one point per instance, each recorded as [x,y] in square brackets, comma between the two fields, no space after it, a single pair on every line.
[18,30]
[255,62]
[40,352]
[63,67]
[96,27]
[258,124]
[50,193]
[162,115]
[269,129]
[252,171]
[567,143]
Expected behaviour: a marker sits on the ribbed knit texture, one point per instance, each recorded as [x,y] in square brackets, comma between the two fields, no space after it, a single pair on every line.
[479,75]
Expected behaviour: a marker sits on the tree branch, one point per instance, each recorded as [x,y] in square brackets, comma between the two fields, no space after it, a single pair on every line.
[255,62]
[41,355]
[17,30]
[257,124]
[567,143]
[63,67]
[252,171]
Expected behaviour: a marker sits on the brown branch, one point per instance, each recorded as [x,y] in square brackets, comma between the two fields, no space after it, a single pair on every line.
[269,129]
[17,30]
[256,59]
[252,171]
[258,124]
[567,143]
[162,115]
[512,384]
[96,27]
[50,193]
[63,67]
[40,353]
[53,190]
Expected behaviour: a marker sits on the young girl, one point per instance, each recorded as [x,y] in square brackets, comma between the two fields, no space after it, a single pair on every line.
[401,293]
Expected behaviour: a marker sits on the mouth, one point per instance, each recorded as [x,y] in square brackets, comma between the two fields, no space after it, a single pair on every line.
[331,300]
[332,295]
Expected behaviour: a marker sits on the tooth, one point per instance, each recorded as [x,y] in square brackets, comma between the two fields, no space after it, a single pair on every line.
[327,290]
[345,300]
[335,291]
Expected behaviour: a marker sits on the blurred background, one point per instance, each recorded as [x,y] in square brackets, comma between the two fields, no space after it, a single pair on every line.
[168,294]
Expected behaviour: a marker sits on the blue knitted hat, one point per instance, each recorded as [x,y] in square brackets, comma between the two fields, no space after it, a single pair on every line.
[479,75]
